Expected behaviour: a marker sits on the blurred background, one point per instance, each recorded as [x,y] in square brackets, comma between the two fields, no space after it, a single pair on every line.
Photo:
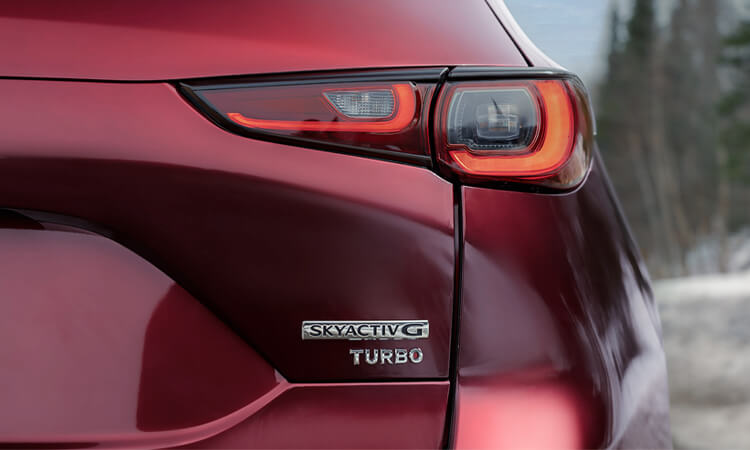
[670,81]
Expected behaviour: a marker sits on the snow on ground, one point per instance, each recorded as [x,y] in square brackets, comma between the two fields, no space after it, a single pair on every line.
[706,325]
[704,258]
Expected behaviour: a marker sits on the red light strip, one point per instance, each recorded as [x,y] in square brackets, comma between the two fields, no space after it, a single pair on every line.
[551,155]
[406,108]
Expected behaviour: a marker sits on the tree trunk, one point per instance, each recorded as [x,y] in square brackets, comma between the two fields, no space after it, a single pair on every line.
[722,209]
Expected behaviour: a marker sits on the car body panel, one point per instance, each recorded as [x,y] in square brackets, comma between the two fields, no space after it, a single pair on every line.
[170,39]
[555,300]
[266,235]
[101,348]
[351,415]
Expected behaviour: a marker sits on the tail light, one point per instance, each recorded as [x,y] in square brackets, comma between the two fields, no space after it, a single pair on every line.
[520,131]
[381,114]
[534,129]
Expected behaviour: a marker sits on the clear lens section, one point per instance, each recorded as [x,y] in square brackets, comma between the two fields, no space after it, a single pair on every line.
[492,119]
[371,104]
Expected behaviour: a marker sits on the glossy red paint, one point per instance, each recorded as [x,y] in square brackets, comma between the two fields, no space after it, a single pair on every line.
[100,347]
[525,412]
[265,235]
[122,357]
[171,39]
[384,415]
[555,283]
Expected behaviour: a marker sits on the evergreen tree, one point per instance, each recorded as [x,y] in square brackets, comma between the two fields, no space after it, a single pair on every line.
[616,130]
[734,143]
[658,128]
[735,104]
[690,91]
[632,135]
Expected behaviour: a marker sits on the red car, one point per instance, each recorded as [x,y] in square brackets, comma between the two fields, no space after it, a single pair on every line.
[310,224]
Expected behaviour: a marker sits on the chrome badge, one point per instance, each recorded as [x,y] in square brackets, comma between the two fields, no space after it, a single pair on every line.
[365,329]
[387,355]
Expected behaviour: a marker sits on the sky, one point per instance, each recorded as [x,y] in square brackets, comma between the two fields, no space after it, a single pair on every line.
[572,32]
[575,32]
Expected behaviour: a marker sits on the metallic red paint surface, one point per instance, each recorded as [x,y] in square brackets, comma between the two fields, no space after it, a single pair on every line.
[266,235]
[97,345]
[100,348]
[169,39]
[384,415]
[521,412]
[554,294]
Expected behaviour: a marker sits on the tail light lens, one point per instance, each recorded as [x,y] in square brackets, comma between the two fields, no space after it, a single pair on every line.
[523,131]
[382,109]
[378,118]
[532,132]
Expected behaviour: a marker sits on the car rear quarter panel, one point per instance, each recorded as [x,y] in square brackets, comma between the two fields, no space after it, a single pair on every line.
[557,318]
